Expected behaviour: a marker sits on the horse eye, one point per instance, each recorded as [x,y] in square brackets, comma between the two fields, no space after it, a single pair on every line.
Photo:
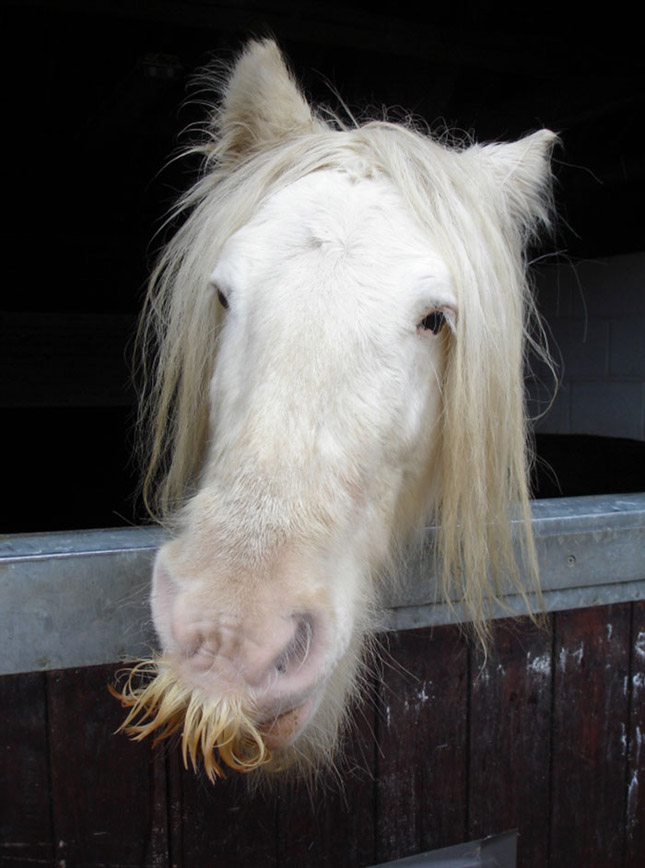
[222,299]
[433,322]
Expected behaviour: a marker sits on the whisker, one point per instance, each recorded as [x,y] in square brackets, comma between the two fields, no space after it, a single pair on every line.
[215,731]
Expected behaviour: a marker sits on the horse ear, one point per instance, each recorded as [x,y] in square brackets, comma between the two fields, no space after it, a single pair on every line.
[262,104]
[521,174]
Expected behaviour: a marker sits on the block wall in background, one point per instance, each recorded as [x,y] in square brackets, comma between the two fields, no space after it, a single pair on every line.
[595,316]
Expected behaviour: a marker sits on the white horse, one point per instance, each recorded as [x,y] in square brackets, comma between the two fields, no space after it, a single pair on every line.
[338,332]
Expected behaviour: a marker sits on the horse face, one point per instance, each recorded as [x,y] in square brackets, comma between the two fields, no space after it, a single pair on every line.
[324,409]
[309,437]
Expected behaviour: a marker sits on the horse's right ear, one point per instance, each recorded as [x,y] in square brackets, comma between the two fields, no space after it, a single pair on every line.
[262,105]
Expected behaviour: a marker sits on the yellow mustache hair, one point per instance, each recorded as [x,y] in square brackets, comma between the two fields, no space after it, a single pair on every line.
[217,731]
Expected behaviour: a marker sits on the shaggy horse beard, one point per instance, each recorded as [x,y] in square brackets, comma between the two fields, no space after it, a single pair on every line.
[218,731]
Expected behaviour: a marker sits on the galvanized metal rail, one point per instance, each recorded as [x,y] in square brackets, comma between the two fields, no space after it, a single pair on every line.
[80,599]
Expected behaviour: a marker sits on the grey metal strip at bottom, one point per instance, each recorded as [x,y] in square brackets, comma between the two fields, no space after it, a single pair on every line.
[496,851]
[81,599]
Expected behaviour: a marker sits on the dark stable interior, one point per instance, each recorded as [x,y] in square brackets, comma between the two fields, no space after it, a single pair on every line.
[94,99]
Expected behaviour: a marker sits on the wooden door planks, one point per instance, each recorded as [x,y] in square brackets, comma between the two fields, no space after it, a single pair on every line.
[510,738]
[108,793]
[635,819]
[545,735]
[26,834]
[422,738]
[590,726]
[336,825]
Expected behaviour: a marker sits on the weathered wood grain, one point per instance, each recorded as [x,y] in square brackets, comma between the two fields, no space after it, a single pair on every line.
[285,824]
[550,742]
[108,793]
[635,819]
[590,717]
[510,738]
[26,835]
[421,728]
[221,824]
[335,823]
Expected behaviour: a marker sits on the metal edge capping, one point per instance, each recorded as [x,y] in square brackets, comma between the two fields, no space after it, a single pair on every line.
[81,598]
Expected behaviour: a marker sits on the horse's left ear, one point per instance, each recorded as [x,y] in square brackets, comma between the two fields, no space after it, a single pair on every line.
[262,104]
[521,172]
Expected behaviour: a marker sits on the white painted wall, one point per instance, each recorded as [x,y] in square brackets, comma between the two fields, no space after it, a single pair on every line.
[595,314]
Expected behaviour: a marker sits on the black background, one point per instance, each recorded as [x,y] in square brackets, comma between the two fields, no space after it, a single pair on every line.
[94,101]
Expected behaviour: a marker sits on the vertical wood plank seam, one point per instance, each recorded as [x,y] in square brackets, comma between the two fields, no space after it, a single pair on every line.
[158,860]
[628,728]
[277,817]
[378,736]
[168,812]
[469,744]
[175,808]
[376,680]
[555,626]
[50,767]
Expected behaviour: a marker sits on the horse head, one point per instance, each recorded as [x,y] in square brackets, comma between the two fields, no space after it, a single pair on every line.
[339,329]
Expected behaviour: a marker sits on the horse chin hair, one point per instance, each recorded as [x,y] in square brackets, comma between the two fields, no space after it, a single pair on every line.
[223,733]
[216,731]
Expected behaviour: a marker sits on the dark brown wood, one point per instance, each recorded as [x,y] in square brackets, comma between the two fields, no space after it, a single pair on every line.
[635,820]
[108,793]
[421,764]
[457,749]
[510,738]
[221,823]
[334,824]
[591,655]
[26,836]
[282,824]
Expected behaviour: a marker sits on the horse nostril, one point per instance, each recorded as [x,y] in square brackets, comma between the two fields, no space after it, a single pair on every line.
[297,651]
